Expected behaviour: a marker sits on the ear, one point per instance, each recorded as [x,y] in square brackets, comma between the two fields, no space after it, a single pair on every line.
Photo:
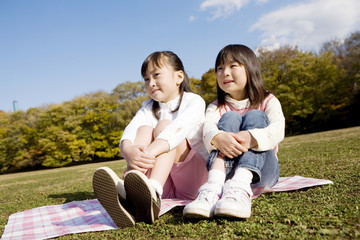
[179,77]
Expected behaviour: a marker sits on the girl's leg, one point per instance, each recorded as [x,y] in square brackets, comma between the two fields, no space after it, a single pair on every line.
[165,161]
[110,191]
[264,164]
[269,172]
[237,193]
[230,122]
[209,193]
[144,136]
[145,193]
[219,164]
[251,160]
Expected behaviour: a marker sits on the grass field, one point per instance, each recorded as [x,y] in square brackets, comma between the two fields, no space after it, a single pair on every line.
[326,212]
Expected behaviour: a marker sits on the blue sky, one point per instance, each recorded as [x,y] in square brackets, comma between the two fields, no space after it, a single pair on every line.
[55,50]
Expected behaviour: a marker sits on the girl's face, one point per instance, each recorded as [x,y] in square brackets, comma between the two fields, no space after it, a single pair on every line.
[162,84]
[232,79]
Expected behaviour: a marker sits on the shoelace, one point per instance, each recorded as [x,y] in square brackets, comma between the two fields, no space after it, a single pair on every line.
[235,193]
[206,192]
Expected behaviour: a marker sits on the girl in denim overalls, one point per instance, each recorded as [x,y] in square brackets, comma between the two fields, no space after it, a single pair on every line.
[242,129]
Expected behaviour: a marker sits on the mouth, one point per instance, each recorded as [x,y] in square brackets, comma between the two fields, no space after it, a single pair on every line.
[227,82]
[154,91]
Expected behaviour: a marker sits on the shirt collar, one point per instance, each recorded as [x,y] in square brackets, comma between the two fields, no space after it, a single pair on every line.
[238,104]
[172,105]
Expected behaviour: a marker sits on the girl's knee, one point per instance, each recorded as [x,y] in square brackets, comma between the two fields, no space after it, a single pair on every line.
[231,115]
[255,119]
[144,128]
[254,114]
[144,131]
[144,135]
[160,126]
[230,122]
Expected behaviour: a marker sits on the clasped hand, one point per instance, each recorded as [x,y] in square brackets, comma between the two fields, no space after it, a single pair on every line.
[138,158]
[232,144]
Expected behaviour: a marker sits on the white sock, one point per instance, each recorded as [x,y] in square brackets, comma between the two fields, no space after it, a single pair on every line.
[216,176]
[243,175]
[157,186]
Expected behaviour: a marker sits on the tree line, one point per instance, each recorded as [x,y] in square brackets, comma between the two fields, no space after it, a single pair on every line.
[318,91]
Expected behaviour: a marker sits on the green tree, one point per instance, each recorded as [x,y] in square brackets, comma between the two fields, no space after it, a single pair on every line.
[305,83]
[347,58]
[206,87]
[17,139]
[129,91]
[130,95]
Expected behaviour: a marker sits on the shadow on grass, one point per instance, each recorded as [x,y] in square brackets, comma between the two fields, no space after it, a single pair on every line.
[69,197]
[175,217]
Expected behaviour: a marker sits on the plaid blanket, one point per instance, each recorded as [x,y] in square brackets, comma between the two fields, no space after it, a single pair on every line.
[87,216]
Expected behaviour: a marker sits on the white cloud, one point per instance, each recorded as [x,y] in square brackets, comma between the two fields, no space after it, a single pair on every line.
[261,1]
[191,18]
[309,24]
[222,8]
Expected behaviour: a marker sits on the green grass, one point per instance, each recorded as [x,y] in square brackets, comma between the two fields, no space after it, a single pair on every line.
[326,212]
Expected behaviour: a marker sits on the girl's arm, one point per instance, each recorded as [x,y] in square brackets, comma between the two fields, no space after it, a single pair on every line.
[267,138]
[230,144]
[136,156]
[157,147]
[210,129]
[190,116]
[247,140]
[138,120]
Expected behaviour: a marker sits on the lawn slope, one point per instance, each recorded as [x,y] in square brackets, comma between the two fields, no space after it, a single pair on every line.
[326,212]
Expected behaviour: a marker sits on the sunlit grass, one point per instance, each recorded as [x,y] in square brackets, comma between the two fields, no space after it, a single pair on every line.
[326,212]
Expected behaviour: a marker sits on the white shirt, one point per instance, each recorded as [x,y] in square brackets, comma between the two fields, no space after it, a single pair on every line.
[267,138]
[186,123]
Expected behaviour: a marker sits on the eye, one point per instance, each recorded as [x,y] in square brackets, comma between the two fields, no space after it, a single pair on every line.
[219,68]
[146,79]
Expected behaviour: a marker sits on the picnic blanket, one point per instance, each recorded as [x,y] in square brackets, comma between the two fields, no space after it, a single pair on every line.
[88,216]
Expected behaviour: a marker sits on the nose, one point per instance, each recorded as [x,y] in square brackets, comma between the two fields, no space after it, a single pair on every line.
[226,71]
[151,82]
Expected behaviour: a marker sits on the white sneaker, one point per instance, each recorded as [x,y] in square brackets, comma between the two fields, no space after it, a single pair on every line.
[109,190]
[235,201]
[204,204]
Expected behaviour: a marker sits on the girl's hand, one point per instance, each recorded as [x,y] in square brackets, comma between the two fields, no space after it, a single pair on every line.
[229,144]
[138,158]
[247,139]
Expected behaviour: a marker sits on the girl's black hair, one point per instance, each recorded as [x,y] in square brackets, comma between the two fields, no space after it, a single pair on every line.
[158,59]
[255,88]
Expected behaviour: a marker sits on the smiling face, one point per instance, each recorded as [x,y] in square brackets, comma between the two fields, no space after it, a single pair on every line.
[162,83]
[232,79]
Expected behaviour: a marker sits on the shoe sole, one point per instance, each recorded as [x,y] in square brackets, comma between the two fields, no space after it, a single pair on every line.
[230,213]
[137,187]
[196,214]
[105,191]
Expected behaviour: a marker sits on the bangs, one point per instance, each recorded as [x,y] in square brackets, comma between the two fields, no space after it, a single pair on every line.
[156,59]
[227,55]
